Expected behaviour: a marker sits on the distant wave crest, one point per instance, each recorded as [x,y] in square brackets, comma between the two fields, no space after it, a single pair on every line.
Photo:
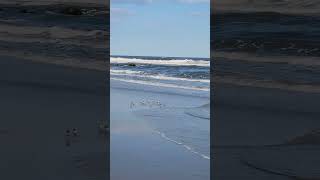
[173,62]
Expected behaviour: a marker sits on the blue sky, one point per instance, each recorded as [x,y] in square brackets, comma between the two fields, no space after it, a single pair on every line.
[177,28]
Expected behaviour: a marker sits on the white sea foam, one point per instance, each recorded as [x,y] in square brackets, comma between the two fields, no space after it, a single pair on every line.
[173,62]
[189,148]
[117,71]
[158,77]
[206,89]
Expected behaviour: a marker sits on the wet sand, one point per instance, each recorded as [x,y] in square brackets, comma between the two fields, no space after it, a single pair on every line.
[53,78]
[255,132]
[138,151]
[38,103]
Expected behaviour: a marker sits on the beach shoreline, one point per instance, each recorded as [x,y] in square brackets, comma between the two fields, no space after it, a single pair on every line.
[55,33]
[138,140]
[54,90]
[37,109]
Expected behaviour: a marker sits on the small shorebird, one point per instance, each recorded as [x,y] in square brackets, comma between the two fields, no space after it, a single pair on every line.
[67,137]
[75,132]
[67,133]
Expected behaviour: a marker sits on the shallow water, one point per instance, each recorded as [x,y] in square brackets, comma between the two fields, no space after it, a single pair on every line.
[154,129]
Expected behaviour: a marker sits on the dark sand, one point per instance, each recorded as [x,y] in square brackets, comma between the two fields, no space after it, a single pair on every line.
[38,103]
[254,129]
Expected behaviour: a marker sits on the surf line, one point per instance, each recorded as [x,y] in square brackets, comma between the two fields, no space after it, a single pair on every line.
[163,135]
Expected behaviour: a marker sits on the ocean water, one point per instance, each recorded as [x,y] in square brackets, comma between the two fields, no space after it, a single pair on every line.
[93,18]
[183,73]
[267,46]
[274,47]
[267,33]
[187,127]
[181,119]
[43,30]
[149,128]
[176,120]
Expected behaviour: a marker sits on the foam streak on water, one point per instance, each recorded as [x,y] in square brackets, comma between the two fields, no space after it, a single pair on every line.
[160,77]
[189,148]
